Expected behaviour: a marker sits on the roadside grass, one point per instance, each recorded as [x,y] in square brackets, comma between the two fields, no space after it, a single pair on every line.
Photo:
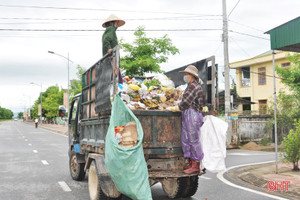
[1,120]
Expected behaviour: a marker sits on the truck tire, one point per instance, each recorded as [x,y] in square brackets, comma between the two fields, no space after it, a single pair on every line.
[76,169]
[191,186]
[174,187]
[95,190]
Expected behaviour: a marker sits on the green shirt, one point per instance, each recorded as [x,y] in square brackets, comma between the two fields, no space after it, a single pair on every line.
[109,39]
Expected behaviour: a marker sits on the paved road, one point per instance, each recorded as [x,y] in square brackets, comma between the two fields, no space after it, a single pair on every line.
[34,166]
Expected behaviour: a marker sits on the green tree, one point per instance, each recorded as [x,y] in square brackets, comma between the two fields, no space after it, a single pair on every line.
[291,146]
[6,113]
[20,115]
[145,54]
[287,110]
[53,99]
[291,76]
[76,84]
[288,105]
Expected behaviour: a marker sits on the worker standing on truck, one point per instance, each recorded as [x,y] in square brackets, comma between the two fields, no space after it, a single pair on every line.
[192,119]
[109,37]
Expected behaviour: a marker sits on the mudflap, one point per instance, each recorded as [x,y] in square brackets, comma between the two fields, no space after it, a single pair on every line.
[107,185]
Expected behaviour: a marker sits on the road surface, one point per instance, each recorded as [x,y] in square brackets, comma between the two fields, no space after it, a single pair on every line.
[34,166]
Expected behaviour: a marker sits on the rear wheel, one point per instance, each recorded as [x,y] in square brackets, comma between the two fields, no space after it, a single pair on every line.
[174,187]
[95,191]
[191,186]
[76,169]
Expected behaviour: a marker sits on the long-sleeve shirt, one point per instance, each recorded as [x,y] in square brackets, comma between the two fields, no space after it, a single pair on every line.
[192,97]
[109,39]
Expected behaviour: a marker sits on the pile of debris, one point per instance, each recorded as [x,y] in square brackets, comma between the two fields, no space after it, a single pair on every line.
[157,93]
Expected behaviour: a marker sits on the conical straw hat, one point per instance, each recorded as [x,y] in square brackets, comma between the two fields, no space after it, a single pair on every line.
[113,18]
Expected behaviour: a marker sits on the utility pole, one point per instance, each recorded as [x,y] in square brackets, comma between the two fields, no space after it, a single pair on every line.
[226,70]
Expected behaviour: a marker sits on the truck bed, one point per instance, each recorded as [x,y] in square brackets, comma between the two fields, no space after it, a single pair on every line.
[162,132]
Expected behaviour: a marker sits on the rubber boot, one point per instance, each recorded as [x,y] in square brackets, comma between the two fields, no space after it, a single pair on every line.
[187,164]
[194,169]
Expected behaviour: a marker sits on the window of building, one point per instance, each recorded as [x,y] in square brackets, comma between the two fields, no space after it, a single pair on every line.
[286,65]
[245,76]
[262,106]
[247,106]
[262,76]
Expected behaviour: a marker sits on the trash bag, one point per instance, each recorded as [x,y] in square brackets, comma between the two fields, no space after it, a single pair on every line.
[213,139]
[126,166]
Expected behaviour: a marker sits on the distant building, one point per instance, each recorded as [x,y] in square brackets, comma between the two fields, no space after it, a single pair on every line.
[254,80]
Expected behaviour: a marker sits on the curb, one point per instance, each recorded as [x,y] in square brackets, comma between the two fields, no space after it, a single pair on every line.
[244,176]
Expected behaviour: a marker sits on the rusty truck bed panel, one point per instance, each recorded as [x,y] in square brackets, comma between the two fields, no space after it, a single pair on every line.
[162,130]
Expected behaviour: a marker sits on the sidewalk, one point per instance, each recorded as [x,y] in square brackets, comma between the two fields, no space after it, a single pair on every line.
[258,176]
[61,129]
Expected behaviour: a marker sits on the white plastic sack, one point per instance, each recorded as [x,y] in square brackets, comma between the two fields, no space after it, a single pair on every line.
[143,90]
[213,140]
[182,87]
[164,80]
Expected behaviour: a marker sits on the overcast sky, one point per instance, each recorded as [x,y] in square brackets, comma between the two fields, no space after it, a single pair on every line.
[24,56]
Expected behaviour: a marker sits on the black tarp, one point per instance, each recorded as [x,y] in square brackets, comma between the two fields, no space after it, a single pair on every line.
[177,77]
[104,80]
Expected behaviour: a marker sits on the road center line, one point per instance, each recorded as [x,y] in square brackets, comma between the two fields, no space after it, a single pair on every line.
[64,186]
[221,178]
[45,162]
[35,151]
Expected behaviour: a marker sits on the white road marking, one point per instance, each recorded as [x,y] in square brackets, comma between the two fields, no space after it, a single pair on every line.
[248,154]
[64,186]
[29,144]
[26,140]
[35,151]
[221,178]
[203,177]
[45,162]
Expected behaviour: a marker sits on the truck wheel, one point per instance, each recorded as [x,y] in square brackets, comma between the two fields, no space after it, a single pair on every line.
[95,190]
[174,187]
[191,186]
[76,169]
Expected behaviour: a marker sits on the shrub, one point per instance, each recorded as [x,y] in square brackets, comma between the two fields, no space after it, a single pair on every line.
[291,146]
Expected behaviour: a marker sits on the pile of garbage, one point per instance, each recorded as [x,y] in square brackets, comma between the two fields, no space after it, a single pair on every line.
[158,93]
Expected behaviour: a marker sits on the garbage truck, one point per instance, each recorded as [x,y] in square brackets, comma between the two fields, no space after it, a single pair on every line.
[88,122]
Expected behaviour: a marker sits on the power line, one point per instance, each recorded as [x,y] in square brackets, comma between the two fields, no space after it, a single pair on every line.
[248,35]
[247,26]
[99,9]
[252,72]
[239,46]
[97,19]
[96,30]
[234,8]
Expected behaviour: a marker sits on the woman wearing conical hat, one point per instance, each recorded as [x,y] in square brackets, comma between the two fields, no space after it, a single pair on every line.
[109,37]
